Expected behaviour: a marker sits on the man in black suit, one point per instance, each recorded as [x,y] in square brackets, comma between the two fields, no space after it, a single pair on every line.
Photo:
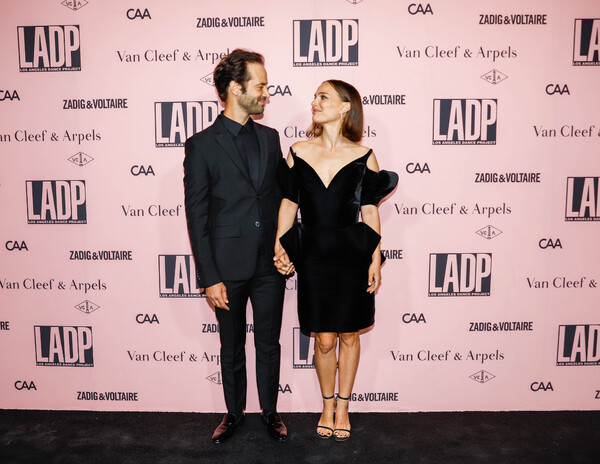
[231,203]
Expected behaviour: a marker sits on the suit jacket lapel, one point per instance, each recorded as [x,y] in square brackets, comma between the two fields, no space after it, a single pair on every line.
[224,139]
[264,153]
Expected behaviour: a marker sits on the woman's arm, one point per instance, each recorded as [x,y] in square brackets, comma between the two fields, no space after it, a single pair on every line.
[285,220]
[370,216]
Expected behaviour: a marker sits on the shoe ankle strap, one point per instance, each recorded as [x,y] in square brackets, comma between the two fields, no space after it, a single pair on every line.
[342,398]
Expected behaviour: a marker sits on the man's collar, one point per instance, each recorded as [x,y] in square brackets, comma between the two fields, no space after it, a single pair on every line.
[234,127]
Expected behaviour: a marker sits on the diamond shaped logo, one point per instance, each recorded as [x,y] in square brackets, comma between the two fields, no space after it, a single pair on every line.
[489,232]
[354,2]
[494,77]
[215,378]
[80,159]
[74,4]
[482,376]
[208,79]
[87,307]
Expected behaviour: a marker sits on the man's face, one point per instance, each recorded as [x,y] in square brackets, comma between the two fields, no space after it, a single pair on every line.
[254,98]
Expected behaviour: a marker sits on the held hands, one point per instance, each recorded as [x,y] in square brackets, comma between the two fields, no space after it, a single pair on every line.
[217,296]
[282,261]
[374,276]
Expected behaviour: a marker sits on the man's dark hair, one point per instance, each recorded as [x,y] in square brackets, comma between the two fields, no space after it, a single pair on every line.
[233,67]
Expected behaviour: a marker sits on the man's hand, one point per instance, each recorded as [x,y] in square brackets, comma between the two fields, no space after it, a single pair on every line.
[217,296]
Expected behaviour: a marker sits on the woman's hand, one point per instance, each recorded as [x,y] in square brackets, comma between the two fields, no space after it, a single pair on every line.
[282,261]
[374,276]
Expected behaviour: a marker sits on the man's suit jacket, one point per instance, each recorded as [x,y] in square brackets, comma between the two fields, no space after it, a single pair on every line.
[228,217]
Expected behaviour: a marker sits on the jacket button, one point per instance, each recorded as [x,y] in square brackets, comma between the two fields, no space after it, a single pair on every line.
[257,224]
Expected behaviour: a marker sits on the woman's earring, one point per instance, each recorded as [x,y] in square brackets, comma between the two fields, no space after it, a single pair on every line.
[341,114]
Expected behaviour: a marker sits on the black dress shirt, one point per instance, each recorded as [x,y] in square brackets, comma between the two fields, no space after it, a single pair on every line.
[246,142]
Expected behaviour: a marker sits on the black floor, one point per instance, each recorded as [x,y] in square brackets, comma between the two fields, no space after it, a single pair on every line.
[469,437]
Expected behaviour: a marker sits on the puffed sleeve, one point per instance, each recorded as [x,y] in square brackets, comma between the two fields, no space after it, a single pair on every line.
[376,185]
[288,181]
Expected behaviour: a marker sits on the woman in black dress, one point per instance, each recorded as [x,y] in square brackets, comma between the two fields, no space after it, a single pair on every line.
[331,179]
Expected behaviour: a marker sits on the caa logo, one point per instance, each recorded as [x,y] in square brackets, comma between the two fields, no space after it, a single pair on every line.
[285,389]
[49,48]
[464,121]
[177,277]
[137,170]
[176,121]
[551,89]
[408,318]
[279,90]
[411,168]
[56,202]
[326,42]
[586,43]
[7,95]
[64,346]
[137,13]
[583,199]
[548,242]
[304,350]
[460,274]
[415,8]
[25,385]
[12,245]
[537,386]
[146,318]
[578,345]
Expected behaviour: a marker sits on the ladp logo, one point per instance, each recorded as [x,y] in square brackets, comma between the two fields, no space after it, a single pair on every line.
[465,121]
[63,346]
[326,42]
[304,350]
[49,48]
[56,202]
[578,345]
[460,274]
[177,277]
[176,121]
[583,199]
[586,43]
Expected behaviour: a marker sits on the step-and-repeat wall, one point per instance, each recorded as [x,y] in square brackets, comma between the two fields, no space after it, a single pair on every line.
[487,110]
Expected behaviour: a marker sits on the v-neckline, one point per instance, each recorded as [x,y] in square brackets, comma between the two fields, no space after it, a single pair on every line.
[326,187]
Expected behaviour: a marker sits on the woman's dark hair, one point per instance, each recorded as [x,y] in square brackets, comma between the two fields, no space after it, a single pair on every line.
[352,125]
[233,67]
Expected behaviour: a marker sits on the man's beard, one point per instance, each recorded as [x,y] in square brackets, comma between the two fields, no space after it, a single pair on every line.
[251,105]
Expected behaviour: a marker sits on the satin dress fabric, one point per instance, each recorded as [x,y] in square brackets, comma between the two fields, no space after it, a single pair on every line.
[331,250]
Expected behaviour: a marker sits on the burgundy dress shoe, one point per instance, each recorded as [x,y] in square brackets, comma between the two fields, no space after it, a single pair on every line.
[275,426]
[226,428]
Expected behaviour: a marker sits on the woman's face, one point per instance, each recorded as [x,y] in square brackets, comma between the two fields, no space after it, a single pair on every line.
[326,105]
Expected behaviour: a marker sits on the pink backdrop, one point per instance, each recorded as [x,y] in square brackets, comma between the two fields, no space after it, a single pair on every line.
[487,110]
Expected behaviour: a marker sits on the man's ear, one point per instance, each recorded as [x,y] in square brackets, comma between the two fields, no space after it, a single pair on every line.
[235,88]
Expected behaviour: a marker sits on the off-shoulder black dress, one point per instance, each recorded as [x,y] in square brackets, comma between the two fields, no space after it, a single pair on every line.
[331,250]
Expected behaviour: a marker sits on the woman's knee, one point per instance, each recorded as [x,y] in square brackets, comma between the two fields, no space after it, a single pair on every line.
[350,339]
[326,341]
